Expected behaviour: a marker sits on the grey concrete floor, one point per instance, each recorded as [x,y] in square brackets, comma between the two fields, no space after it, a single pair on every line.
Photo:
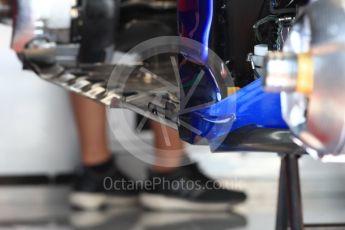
[46,207]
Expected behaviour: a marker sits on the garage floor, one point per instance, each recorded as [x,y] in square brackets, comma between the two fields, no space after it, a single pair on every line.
[46,207]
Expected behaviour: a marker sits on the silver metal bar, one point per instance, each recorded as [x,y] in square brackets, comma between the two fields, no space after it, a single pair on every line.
[92,83]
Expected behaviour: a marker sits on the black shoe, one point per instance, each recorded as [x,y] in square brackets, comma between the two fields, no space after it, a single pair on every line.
[188,189]
[96,189]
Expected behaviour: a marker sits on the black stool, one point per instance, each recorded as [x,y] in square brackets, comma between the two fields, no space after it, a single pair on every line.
[290,205]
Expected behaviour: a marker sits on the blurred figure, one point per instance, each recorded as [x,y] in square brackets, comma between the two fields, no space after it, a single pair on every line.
[90,192]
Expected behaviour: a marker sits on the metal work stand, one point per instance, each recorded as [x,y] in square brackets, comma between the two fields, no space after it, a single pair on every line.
[290,210]
[290,205]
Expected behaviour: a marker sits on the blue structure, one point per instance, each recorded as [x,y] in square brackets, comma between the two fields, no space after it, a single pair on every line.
[221,114]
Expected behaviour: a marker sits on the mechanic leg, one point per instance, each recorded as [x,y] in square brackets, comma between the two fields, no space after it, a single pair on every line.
[90,190]
[164,195]
[168,146]
[91,124]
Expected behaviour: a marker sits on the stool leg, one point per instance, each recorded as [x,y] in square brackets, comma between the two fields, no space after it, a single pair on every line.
[290,211]
[282,215]
[295,207]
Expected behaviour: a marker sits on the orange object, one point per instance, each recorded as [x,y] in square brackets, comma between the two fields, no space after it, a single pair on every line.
[232,90]
[305,77]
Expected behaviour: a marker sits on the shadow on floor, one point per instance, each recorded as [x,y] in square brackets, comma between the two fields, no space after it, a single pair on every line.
[134,219]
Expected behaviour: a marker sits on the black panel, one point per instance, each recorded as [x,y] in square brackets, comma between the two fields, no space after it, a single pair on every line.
[233,37]
[286,6]
[99,23]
